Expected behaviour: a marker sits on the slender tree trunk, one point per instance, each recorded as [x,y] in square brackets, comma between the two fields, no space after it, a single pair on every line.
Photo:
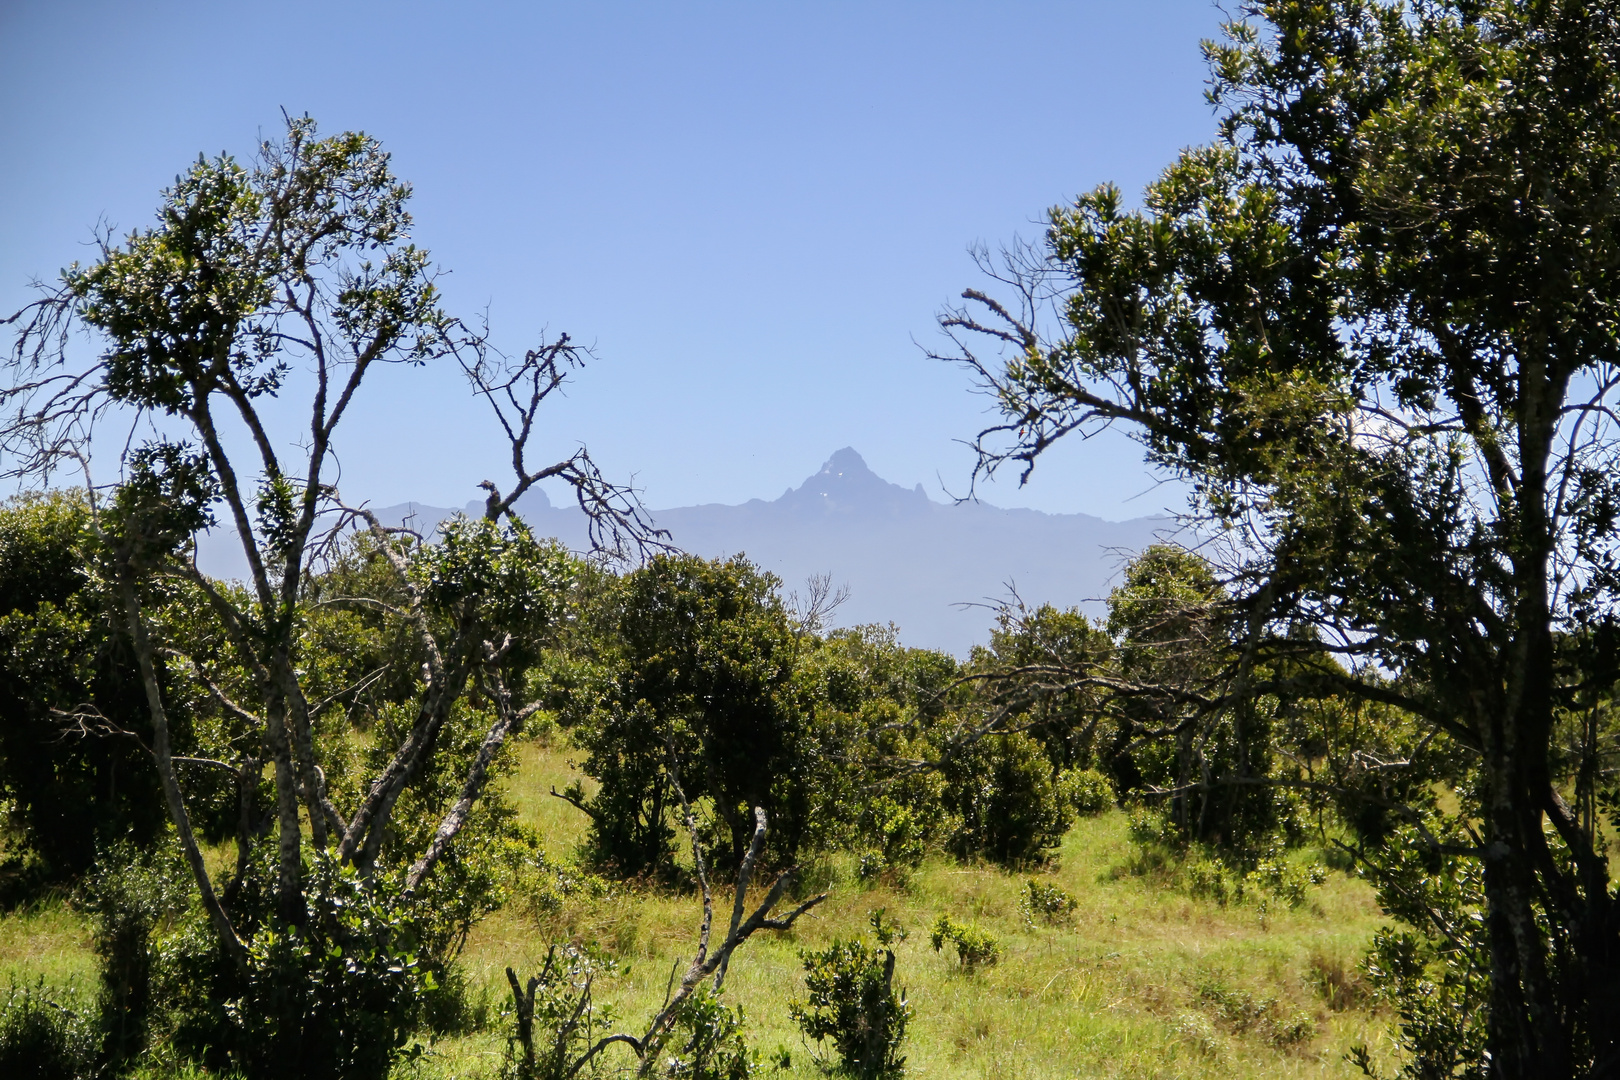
[289,832]
[162,757]
[302,743]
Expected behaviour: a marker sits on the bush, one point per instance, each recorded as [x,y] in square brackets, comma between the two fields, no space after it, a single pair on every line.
[337,997]
[852,1000]
[899,840]
[1048,903]
[41,1039]
[1087,791]
[130,896]
[1284,881]
[557,1021]
[1244,1013]
[708,1042]
[1010,809]
[974,947]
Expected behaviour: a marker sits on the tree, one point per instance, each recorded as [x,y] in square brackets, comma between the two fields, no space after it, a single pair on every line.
[700,657]
[1375,325]
[59,648]
[259,282]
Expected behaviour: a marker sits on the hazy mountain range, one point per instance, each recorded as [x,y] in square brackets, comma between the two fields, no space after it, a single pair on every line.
[927,566]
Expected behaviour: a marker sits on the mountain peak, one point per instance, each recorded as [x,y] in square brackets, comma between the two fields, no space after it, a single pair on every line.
[845,461]
[846,485]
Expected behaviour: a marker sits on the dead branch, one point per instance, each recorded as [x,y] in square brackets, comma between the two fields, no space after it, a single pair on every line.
[509,721]
[515,390]
[704,963]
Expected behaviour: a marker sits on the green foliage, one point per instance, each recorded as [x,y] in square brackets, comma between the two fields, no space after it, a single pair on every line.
[166,499]
[700,665]
[1088,792]
[975,947]
[1055,652]
[1441,1001]
[1044,901]
[1002,791]
[1285,881]
[852,1000]
[375,680]
[41,1039]
[557,1020]
[499,575]
[875,710]
[899,839]
[203,284]
[1208,873]
[1431,973]
[707,1042]
[132,896]
[1168,617]
[337,997]
[1243,1013]
[67,792]
[1323,322]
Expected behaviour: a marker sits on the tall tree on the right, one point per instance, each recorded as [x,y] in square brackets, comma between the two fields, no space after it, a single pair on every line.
[1377,325]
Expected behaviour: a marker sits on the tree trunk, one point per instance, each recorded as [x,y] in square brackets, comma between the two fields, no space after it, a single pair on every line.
[162,757]
[289,833]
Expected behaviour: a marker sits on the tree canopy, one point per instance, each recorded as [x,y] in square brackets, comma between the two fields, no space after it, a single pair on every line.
[1375,325]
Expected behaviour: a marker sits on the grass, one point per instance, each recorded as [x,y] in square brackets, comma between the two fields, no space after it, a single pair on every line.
[1138,981]
[47,940]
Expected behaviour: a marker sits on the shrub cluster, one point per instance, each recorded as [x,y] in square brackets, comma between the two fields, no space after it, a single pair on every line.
[1045,902]
[852,1000]
[975,947]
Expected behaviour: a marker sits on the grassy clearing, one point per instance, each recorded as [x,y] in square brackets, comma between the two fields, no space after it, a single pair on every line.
[1138,981]
[49,941]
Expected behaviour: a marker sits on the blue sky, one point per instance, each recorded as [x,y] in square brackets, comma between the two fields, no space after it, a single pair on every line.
[753,211]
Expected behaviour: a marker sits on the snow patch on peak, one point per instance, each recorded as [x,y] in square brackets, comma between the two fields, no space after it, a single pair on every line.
[845,461]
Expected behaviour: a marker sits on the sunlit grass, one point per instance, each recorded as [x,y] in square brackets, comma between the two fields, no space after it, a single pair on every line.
[51,941]
[1140,981]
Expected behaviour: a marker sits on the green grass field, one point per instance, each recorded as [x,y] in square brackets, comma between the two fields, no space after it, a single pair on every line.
[1141,981]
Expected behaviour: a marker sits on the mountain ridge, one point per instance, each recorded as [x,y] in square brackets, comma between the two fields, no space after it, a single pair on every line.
[934,569]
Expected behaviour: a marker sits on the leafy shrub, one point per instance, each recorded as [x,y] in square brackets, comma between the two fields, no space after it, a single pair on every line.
[1087,791]
[1243,1013]
[41,1039]
[557,1020]
[58,650]
[130,896]
[1208,879]
[336,997]
[975,948]
[900,840]
[1206,873]
[1046,902]
[708,1043]
[1439,994]
[852,1001]
[701,656]
[1010,809]
[1285,881]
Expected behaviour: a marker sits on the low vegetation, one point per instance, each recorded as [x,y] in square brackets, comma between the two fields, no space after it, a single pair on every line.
[1141,978]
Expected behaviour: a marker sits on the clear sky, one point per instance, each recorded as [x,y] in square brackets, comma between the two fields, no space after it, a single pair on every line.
[753,210]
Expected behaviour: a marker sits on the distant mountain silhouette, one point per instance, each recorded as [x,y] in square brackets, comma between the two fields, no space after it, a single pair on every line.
[906,559]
